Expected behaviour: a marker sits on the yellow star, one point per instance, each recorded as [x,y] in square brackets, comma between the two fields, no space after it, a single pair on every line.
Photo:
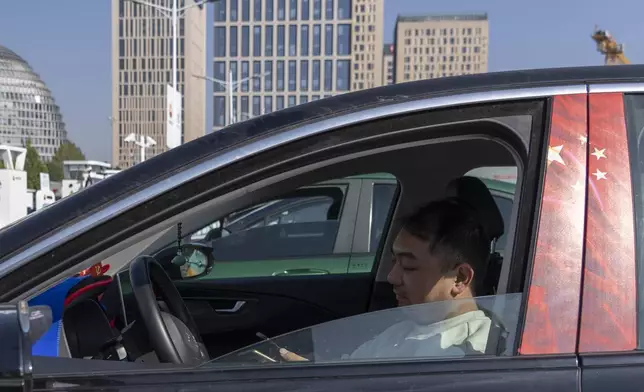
[600,175]
[599,153]
[583,139]
[554,154]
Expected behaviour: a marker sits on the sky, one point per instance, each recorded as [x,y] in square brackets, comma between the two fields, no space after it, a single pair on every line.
[67,42]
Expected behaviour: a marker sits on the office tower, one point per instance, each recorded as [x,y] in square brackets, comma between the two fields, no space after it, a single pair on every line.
[388,64]
[142,68]
[433,46]
[273,54]
[27,108]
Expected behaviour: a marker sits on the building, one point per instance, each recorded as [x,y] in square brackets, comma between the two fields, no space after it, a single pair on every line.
[27,108]
[433,46]
[388,64]
[142,68]
[272,54]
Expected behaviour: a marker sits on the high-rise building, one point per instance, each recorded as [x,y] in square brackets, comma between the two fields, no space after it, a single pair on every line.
[281,53]
[388,64]
[28,110]
[142,68]
[433,46]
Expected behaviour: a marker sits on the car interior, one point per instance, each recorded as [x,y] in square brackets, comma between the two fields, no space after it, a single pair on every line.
[426,169]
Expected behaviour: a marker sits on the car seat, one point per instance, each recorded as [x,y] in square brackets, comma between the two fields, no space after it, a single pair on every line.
[476,194]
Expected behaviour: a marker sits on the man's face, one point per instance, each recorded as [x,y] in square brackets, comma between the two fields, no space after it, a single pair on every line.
[418,276]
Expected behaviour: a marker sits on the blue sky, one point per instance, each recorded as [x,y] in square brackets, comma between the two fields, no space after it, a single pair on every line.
[68,43]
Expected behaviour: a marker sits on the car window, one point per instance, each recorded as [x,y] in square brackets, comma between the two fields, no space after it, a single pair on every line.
[401,333]
[299,233]
[635,123]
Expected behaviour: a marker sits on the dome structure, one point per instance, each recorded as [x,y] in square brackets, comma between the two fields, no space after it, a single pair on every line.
[27,108]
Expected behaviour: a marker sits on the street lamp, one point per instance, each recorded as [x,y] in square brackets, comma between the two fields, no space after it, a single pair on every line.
[230,86]
[173,13]
[145,142]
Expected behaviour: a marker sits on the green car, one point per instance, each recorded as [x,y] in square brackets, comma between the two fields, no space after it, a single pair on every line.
[332,227]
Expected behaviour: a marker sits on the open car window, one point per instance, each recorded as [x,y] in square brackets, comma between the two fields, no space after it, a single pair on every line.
[413,332]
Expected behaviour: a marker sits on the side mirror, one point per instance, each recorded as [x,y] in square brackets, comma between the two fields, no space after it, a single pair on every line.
[195,260]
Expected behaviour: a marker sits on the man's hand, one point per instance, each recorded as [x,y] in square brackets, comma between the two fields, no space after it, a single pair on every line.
[291,357]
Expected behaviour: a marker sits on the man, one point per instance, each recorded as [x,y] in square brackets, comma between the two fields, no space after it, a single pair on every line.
[438,255]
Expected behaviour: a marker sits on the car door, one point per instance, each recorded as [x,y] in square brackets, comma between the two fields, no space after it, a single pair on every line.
[610,342]
[289,258]
[547,248]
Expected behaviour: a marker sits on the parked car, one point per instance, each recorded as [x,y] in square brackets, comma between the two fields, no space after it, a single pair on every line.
[304,258]
[251,244]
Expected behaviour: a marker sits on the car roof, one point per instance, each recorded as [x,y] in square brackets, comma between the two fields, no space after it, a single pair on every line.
[43,222]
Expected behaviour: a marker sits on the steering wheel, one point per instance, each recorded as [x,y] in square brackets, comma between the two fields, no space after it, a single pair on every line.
[174,336]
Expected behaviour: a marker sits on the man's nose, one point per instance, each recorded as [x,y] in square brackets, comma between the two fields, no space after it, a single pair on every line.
[394,275]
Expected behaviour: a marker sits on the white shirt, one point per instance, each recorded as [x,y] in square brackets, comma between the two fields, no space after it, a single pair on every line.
[456,336]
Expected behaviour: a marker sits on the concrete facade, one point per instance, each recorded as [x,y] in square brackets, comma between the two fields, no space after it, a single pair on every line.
[433,46]
[302,50]
[141,70]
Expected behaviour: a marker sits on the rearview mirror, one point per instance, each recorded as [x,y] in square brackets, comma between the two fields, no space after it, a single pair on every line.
[194,261]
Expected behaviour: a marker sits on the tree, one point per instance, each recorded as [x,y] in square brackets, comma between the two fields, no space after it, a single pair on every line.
[33,166]
[67,151]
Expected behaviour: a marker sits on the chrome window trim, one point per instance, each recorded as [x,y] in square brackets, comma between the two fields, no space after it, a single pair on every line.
[595,88]
[228,157]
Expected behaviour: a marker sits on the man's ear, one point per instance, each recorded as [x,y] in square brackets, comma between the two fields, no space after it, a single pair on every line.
[464,277]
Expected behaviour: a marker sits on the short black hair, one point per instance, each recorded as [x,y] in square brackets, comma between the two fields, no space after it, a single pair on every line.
[454,234]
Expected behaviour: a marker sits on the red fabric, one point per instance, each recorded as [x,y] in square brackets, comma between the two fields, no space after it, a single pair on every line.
[80,291]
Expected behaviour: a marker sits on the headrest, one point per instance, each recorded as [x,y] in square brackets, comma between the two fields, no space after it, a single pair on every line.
[475,193]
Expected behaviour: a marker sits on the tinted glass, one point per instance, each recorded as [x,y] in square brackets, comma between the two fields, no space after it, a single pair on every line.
[383,196]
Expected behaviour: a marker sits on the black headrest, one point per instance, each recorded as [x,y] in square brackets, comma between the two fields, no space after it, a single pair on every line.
[86,328]
[474,192]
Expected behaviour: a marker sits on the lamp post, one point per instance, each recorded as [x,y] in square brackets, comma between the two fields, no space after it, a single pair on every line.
[230,86]
[143,143]
[173,13]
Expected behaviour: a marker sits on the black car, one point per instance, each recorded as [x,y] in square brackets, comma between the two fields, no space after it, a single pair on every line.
[564,292]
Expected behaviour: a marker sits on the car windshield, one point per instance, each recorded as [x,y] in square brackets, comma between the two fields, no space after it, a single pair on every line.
[428,330]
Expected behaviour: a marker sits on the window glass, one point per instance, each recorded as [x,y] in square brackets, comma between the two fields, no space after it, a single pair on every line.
[268,42]
[304,75]
[292,75]
[293,9]
[316,75]
[280,75]
[298,230]
[281,9]
[317,39]
[344,39]
[269,10]
[634,105]
[344,9]
[245,41]
[328,10]
[257,10]
[328,40]
[400,333]
[220,73]
[220,41]
[257,41]
[233,41]
[268,75]
[281,40]
[304,40]
[305,9]
[328,75]
[245,10]
[220,11]
[244,76]
[233,10]
[292,40]
[343,75]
